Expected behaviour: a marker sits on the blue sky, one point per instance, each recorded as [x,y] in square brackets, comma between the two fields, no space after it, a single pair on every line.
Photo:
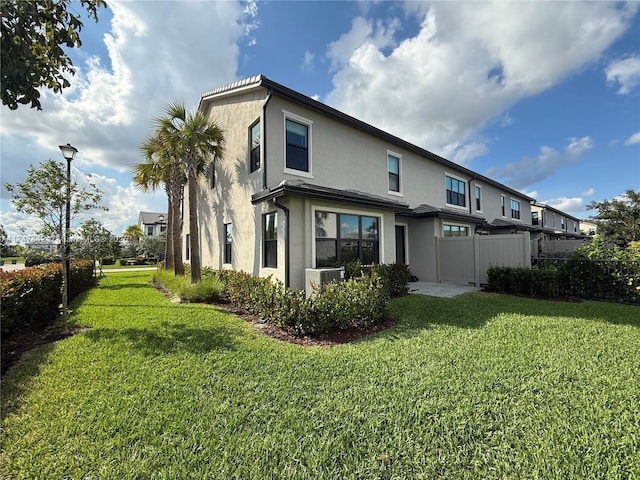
[544,97]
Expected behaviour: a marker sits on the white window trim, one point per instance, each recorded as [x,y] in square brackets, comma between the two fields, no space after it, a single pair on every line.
[475,185]
[453,224]
[406,241]
[348,211]
[520,209]
[399,193]
[309,123]
[466,193]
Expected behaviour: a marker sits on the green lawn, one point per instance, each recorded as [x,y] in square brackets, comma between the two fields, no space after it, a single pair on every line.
[479,386]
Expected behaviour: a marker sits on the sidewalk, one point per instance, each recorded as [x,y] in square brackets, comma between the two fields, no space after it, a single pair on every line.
[440,289]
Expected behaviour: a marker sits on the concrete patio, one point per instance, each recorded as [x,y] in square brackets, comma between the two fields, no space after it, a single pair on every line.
[440,289]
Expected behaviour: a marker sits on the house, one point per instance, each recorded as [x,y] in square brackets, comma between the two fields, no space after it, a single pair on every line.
[152,223]
[588,227]
[303,185]
[555,225]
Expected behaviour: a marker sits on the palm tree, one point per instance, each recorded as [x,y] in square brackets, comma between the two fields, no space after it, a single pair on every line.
[199,142]
[162,168]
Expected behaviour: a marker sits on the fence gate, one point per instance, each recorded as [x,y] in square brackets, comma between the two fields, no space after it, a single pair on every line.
[465,260]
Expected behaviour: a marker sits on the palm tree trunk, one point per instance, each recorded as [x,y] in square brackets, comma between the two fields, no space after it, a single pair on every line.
[168,246]
[178,266]
[194,243]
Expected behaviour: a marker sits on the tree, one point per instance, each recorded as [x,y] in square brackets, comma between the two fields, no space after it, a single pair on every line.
[132,234]
[152,245]
[619,219]
[33,34]
[199,142]
[96,242]
[163,167]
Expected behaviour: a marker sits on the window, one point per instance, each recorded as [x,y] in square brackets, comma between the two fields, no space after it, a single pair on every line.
[534,218]
[228,241]
[515,209]
[297,155]
[393,167]
[563,223]
[478,191]
[163,228]
[341,238]
[149,230]
[254,146]
[502,205]
[187,244]
[270,239]
[455,191]
[455,231]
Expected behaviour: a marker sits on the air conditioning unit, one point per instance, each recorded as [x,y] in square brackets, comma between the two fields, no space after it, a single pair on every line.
[316,277]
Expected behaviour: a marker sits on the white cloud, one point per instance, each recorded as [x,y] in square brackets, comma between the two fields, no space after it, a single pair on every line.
[440,87]
[531,170]
[572,206]
[625,73]
[307,61]
[635,138]
[589,192]
[108,110]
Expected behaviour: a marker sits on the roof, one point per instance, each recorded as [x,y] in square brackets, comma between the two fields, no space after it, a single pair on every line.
[425,211]
[149,218]
[300,188]
[262,81]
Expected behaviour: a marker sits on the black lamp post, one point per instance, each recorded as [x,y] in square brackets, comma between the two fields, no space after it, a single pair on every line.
[68,152]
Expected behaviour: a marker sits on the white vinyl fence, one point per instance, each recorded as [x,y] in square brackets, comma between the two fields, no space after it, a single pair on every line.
[465,260]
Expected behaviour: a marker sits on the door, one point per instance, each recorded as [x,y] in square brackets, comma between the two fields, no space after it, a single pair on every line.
[401,254]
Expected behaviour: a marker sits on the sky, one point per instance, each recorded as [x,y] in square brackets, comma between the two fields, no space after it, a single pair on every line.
[542,96]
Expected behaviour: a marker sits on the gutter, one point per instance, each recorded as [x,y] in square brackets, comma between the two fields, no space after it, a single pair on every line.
[287,262]
[264,140]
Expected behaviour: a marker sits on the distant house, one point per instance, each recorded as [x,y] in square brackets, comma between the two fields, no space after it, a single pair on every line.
[304,186]
[588,227]
[152,223]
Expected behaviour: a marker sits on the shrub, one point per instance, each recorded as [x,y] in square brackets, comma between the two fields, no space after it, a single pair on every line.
[108,261]
[33,294]
[208,290]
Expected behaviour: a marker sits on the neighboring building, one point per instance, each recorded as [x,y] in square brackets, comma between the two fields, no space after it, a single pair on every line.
[152,223]
[588,227]
[554,225]
[302,185]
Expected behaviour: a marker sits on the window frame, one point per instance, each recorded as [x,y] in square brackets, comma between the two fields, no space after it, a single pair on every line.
[150,230]
[267,241]
[446,190]
[518,210]
[458,228]
[398,157]
[255,166]
[227,257]
[477,193]
[503,205]
[379,251]
[309,124]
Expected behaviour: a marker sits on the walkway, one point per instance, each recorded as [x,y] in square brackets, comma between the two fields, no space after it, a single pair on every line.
[440,289]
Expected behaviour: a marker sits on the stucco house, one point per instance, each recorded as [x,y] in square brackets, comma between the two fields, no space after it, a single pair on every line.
[303,185]
[152,223]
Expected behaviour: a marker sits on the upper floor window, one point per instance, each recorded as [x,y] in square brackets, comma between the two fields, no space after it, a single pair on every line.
[297,152]
[455,191]
[393,167]
[150,230]
[515,209]
[254,146]
[270,240]
[341,238]
[502,205]
[534,218]
[163,228]
[563,223]
[455,231]
[478,193]
[228,242]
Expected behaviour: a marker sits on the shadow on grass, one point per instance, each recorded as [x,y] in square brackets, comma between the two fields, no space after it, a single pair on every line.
[475,310]
[171,338]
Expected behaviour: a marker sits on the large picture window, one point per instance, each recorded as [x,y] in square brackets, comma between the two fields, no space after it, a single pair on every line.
[297,146]
[254,146]
[228,242]
[455,191]
[455,231]
[341,238]
[270,239]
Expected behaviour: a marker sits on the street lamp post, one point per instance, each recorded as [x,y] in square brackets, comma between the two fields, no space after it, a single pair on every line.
[68,152]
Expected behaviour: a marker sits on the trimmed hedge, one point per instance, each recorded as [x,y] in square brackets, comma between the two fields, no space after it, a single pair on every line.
[395,276]
[33,294]
[355,302]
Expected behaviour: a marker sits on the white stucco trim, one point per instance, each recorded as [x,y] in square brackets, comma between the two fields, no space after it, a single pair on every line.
[400,173]
[287,115]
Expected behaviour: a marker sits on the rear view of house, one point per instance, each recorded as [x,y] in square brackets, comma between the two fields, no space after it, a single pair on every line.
[302,185]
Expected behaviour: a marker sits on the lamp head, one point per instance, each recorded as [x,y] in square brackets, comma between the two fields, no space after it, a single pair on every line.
[68,151]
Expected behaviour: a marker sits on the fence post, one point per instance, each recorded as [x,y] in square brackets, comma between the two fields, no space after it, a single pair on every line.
[476,259]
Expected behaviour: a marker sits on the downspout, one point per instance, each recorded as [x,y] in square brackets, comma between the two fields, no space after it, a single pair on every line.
[264,140]
[287,263]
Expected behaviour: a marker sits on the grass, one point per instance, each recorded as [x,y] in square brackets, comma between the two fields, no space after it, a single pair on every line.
[478,386]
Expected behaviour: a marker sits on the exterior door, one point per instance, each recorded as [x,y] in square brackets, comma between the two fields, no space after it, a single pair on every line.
[401,254]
